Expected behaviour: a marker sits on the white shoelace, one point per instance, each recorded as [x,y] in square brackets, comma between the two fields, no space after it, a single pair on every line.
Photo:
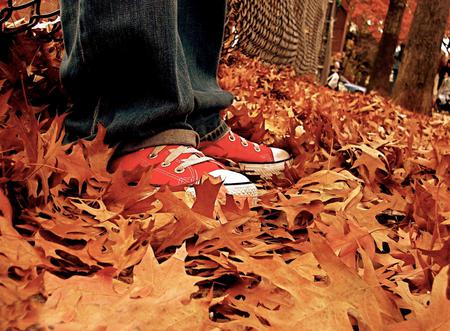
[177,152]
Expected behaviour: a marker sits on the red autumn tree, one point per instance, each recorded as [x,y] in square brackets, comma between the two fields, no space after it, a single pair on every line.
[414,88]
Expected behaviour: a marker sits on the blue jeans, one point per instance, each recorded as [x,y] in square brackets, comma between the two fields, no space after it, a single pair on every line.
[142,67]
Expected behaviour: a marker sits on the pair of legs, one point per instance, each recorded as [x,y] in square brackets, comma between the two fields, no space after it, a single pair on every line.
[146,70]
[142,67]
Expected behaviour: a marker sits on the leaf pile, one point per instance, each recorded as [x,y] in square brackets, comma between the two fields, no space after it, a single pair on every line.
[354,235]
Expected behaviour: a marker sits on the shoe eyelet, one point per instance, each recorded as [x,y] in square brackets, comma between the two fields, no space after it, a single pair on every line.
[153,156]
[232,138]
[165,164]
[179,170]
[257,148]
[244,143]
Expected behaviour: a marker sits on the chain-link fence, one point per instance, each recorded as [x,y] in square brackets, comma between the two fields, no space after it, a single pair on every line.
[278,31]
[23,16]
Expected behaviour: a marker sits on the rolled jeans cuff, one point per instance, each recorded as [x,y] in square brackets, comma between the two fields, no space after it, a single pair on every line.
[217,133]
[167,137]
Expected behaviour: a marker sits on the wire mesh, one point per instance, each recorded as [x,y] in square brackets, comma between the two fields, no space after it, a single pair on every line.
[22,16]
[279,31]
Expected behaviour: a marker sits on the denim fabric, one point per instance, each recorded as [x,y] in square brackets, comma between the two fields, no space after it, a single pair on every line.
[140,67]
[167,137]
[221,129]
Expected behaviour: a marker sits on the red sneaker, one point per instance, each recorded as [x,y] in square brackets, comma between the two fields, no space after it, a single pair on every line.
[251,158]
[176,165]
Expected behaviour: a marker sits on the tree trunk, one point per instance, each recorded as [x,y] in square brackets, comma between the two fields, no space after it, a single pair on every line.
[328,46]
[381,70]
[414,87]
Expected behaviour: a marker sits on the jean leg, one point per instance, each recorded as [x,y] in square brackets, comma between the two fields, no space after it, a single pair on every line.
[124,68]
[201,27]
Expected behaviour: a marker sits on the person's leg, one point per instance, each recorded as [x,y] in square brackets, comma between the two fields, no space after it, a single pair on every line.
[201,27]
[125,68]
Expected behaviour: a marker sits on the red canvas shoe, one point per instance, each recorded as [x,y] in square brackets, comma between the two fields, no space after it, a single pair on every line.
[249,157]
[176,165]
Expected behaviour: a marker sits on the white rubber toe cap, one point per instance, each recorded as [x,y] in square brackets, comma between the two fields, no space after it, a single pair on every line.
[279,154]
[236,183]
[230,177]
[267,170]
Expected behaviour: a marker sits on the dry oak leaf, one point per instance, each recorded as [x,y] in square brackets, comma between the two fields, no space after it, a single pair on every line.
[206,196]
[94,207]
[14,249]
[123,246]
[158,299]
[294,205]
[370,158]
[365,215]
[19,279]
[188,222]
[233,208]
[440,256]
[347,240]
[307,305]
[229,237]
[39,151]
[333,185]
[74,164]
[435,317]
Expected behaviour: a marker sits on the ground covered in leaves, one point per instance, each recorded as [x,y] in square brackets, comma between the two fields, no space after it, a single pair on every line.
[354,236]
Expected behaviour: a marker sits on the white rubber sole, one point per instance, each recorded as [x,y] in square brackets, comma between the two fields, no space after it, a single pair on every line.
[242,190]
[266,170]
